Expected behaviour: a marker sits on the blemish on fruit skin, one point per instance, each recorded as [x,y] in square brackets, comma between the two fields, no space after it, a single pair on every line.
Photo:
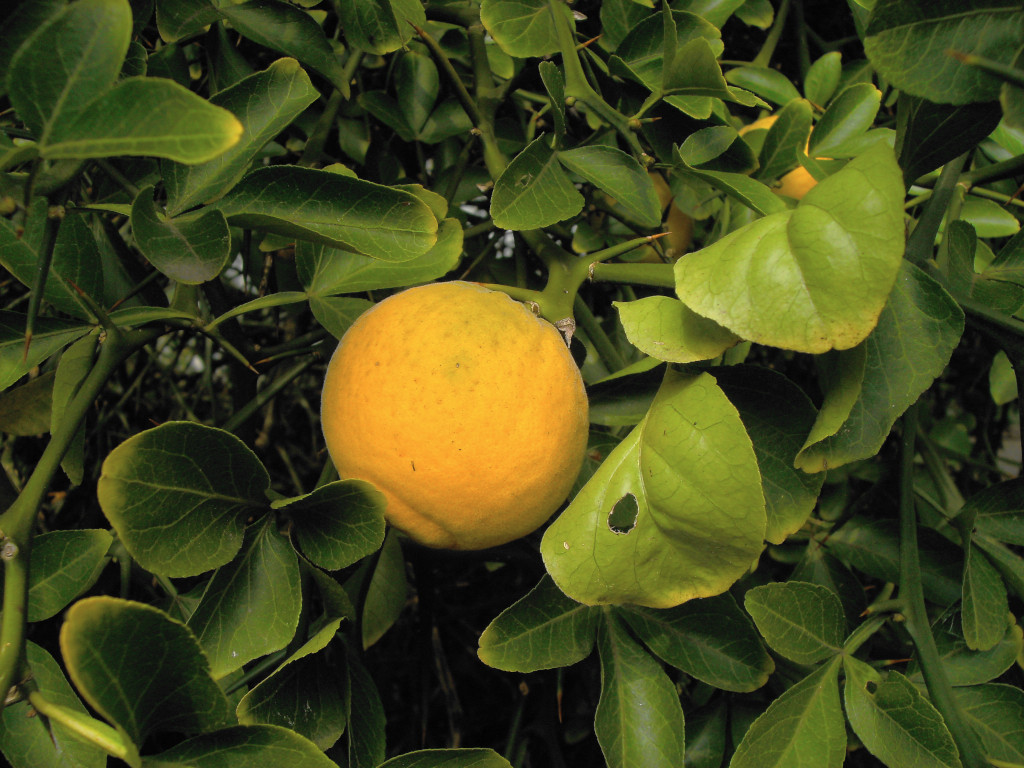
[413,463]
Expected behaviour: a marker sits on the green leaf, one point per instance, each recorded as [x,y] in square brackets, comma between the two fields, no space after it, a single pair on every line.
[381,26]
[338,523]
[49,336]
[964,666]
[534,191]
[817,566]
[190,249]
[810,279]
[74,261]
[337,314]
[523,28]
[822,78]
[64,565]
[554,84]
[706,733]
[710,639]
[769,84]
[74,366]
[364,744]
[786,136]
[307,693]
[750,192]
[777,416]
[908,44]
[180,19]
[388,591]
[985,605]
[417,85]
[619,175]
[872,547]
[639,720]
[667,329]
[264,103]
[543,630]
[999,511]
[930,135]
[896,723]
[178,516]
[911,345]
[242,746]
[847,119]
[289,30]
[448,758]
[146,116]
[69,61]
[250,606]
[803,622]
[140,669]
[995,712]
[689,473]
[25,409]
[19,25]
[989,218]
[802,728]
[336,210]
[27,741]
[327,272]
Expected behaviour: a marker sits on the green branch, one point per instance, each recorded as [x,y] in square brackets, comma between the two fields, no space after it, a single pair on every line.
[18,522]
[912,594]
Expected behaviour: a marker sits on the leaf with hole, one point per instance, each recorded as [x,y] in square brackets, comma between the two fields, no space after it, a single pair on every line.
[700,518]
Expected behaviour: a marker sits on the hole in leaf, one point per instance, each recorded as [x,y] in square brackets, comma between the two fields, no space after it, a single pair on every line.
[871,687]
[622,518]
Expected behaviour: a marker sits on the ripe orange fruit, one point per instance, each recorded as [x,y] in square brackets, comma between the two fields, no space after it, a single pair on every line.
[797,182]
[463,407]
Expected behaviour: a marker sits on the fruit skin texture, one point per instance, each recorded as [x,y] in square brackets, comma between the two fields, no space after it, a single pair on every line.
[464,408]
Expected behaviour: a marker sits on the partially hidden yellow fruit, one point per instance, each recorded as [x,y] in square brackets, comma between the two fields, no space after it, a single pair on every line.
[463,407]
[797,182]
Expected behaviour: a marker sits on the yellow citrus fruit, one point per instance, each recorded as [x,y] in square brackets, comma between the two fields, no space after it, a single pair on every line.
[797,182]
[463,407]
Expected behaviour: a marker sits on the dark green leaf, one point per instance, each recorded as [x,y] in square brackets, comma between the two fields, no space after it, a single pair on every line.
[19,25]
[822,78]
[534,191]
[64,565]
[146,116]
[930,135]
[985,605]
[25,410]
[386,596]
[50,336]
[243,746]
[265,103]
[542,630]
[307,693]
[710,639]
[995,712]
[908,43]
[769,84]
[416,87]
[250,606]
[74,366]
[554,84]
[706,731]
[916,333]
[872,547]
[639,720]
[448,758]
[964,666]
[338,523]
[289,30]
[190,249]
[803,622]
[999,511]
[27,741]
[381,26]
[785,138]
[777,415]
[333,209]
[176,515]
[179,19]
[802,728]
[140,669]
[620,176]
[74,58]
[819,567]
[896,723]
